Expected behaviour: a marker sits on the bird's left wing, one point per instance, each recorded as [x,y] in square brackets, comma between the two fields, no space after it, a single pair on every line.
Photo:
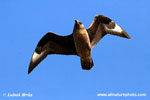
[101,26]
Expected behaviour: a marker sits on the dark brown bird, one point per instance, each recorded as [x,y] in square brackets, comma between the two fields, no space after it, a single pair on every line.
[70,44]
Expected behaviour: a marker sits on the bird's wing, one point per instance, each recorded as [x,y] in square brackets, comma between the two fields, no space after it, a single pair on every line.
[52,44]
[101,26]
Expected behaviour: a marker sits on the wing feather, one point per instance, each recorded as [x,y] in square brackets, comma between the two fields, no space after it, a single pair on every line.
[101,26]
[52,44]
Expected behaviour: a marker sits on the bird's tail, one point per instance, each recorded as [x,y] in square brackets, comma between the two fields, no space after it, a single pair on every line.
[87,63]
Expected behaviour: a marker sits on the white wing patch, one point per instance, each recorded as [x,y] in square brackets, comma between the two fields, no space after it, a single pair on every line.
[109,28]
[117,28]
[36,56]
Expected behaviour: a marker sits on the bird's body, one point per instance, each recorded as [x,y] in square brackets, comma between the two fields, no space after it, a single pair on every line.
[82,44]
[79,43]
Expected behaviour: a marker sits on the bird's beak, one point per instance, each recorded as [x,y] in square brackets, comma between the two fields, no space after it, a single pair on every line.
[75,21]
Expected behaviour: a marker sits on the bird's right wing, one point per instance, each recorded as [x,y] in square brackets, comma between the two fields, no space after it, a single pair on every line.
[52,44]
[101,26]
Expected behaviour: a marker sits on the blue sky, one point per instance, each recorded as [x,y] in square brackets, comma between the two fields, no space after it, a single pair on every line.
[120,65]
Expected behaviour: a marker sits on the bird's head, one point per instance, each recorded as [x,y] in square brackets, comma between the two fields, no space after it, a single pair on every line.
[78,24]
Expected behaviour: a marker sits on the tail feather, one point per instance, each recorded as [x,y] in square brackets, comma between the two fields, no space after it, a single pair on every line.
[87,64]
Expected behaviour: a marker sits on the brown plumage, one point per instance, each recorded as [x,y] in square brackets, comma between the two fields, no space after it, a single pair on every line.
[74,44]
[52,44]
[82,44]
[101,26]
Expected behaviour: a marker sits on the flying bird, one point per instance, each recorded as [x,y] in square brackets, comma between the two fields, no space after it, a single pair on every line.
[79,43]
